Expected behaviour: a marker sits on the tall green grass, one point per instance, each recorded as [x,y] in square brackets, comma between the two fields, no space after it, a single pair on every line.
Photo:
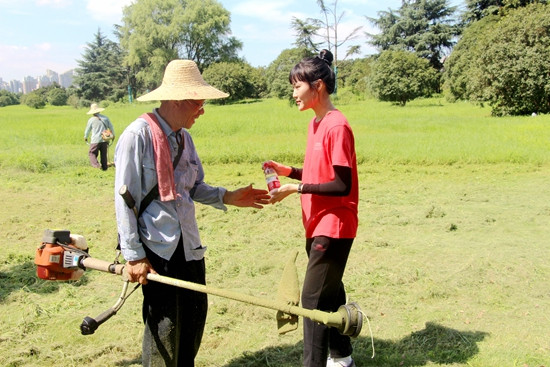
[429,131]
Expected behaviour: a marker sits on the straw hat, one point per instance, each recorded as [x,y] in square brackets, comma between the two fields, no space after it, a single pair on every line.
[183,80]
[94,108]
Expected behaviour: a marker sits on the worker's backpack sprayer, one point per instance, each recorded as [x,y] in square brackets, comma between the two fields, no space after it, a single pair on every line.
[64,256]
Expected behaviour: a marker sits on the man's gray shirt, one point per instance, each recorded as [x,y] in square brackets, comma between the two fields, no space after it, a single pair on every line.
[162,223]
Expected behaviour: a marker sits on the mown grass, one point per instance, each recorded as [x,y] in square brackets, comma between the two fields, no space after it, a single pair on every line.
[450,263]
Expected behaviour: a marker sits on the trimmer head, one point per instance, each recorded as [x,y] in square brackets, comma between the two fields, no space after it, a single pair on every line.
[353,319]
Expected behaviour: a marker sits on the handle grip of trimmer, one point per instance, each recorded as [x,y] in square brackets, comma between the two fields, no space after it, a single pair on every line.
[89,325]
[128,198]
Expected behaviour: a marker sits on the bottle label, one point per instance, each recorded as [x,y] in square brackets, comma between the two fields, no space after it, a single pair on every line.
[272,183]
[271,178]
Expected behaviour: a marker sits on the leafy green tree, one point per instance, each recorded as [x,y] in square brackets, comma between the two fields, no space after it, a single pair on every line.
[426,27]
[305,34]
[510,68]
[477,9]
[8,98]
[34,100]
[100,74]
[401,76]
[240,80]
[57,97]
[355,74]
[154,32]
[462,66]
[278,71]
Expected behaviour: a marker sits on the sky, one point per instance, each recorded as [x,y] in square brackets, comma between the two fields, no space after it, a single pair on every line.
[37,35]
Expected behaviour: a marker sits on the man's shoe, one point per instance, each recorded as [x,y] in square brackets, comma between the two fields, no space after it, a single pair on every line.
[342,362]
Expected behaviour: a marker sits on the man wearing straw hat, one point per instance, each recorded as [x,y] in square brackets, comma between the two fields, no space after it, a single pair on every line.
[161,235]
[97,125]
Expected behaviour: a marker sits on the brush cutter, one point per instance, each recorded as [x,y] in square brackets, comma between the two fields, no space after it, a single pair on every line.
[64,256]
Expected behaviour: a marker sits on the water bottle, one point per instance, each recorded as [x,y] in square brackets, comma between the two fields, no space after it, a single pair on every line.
[271,178]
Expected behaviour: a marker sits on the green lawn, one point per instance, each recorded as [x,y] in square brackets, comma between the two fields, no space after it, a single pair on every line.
[450,263]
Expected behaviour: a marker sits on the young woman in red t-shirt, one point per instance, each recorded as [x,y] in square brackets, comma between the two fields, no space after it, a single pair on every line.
[329,195]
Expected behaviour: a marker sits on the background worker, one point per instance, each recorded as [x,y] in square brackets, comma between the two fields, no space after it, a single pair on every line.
[97,127]
[165,237]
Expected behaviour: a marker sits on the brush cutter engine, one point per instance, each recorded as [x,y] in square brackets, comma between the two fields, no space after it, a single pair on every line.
[60,256]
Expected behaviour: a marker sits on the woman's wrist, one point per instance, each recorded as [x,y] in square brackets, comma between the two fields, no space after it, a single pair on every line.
[299,189]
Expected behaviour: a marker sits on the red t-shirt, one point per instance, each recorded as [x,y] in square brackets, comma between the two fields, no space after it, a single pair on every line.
[330,143]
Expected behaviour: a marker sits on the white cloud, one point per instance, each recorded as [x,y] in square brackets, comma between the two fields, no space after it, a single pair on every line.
[270,11]
[44,46]
[106,10]
[54,3]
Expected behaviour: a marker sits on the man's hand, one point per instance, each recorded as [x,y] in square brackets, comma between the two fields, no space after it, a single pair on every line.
[247,197]
[137,270]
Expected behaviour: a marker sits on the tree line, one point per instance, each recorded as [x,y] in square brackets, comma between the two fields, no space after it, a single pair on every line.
[494,52]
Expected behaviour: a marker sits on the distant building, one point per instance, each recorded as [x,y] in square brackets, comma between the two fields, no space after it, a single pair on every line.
[16,86]
[44,81]
[66,79]
[30,83]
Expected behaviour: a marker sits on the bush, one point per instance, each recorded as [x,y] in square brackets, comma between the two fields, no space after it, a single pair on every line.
[34,100]
[354,75]
[8,98]
[73,101]
[278,71]
[462,65]
[238,79]
[57,97]
[401,76]
[505,61]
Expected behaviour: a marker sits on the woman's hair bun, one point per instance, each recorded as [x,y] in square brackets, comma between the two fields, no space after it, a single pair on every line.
[326,56]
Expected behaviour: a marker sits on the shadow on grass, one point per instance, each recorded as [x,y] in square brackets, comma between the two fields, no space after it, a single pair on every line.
[130,362]
[22,275]
[434,344]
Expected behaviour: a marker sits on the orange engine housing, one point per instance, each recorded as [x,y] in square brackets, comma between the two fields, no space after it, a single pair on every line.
[50,258]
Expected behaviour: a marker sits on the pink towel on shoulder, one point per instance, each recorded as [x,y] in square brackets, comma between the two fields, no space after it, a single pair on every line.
[163,159]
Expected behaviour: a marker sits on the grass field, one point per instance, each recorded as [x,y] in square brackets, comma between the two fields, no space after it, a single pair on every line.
[451,263]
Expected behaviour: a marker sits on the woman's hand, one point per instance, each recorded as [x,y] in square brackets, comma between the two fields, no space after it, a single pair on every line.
[247,197]
[281,169]
[282,192]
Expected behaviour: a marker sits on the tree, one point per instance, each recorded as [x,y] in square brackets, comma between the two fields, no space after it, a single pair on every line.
[425,27]
[100,74]
[327,30]
[478,9]
[240,80]
[305,34]
[8,98]
[57,97]
[278,71]
[355,74]
[510,68]
[400,76]
[154,32]
[34,100]
[462,65]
